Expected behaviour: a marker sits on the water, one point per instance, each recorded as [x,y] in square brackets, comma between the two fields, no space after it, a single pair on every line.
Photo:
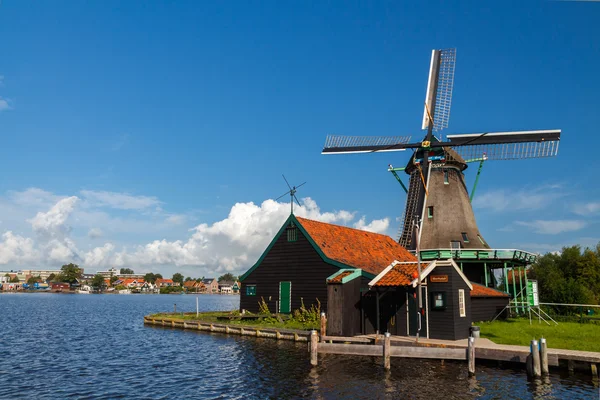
[58,346]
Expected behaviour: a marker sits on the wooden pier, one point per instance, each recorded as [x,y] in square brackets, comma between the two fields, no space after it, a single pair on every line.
[273,333]
[537,357]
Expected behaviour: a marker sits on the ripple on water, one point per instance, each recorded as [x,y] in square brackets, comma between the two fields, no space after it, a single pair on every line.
[97,347]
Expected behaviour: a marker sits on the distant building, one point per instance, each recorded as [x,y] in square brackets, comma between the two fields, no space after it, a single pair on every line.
[212,286]
[107,274]
[166,283]
[42,273]
[226,287]
[60,286]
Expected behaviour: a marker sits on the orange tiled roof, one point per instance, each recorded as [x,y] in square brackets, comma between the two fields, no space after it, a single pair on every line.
[400,275]
[189,284]
[482,291]
[338,278]
[372,252]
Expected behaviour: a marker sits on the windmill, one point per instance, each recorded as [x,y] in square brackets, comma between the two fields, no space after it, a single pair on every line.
[437,194]
[291,192]
[437,198]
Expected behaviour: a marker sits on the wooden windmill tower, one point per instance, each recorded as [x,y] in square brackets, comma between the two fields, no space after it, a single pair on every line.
[437,194]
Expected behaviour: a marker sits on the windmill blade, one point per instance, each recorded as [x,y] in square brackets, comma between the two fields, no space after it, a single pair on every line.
[335,144]
[285,194]
[286,181]
[506,145]
[295,198]
[300,185]
[438,98]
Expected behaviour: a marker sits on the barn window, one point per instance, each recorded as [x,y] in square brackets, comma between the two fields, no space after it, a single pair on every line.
[251,290]
[465,237]
[446,177]
[461,303]
[438,300]
[430,212]
[292,234]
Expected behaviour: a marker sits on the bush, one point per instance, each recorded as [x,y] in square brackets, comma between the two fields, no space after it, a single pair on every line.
[171,289]
[308,316]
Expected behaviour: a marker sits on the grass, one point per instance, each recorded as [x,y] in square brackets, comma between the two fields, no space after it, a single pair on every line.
[212,317]
[565,335]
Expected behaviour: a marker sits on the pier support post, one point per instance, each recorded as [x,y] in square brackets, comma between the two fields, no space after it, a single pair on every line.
[323,326]
[471,356]
[594,368]
[314,340]
[536,367]
[544,356]
[386,351]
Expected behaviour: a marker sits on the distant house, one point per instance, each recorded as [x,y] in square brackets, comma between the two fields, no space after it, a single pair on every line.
[236,287]
[304,253]
[212,286]
[189,285]
[148,287]
[60,286]
[12,286]
[166,283]
[226,287]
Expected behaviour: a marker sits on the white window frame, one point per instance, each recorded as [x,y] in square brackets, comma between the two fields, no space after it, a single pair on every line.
[461,303]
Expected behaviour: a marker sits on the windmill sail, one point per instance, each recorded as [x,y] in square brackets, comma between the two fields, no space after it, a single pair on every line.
[364,144]
[438,98]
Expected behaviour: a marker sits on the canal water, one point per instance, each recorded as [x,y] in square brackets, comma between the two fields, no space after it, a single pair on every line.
[59,346]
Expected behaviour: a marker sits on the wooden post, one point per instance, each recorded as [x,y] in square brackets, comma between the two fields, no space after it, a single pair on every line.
[197,308]
[544,356]
[471,356]
[594,368]
[535,359]
[323,325]
[314,340]
[278,335]
[386,351]
[226,328]
[175,308]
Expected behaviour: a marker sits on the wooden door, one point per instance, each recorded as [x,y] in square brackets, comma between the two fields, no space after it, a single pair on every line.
[285,297]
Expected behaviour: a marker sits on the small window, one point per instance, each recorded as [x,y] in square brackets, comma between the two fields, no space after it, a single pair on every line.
[455,245]
[465,237]
[438,300]
[430,212]
[251,290]
[461,303]
[292,234]
[446,182]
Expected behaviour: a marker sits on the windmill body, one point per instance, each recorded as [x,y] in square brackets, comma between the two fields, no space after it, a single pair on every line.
[437,196]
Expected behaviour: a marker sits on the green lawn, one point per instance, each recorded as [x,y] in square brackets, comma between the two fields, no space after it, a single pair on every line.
[212,317]
[565,335]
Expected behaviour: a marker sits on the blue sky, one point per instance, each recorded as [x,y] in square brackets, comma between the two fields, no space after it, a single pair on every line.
[132,129]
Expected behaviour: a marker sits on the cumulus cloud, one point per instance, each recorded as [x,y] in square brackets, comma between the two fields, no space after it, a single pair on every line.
[230,245]
[122,201]
[4,104]
[553,227]
[592,208]
[377,225]
[52,224]
[95,233]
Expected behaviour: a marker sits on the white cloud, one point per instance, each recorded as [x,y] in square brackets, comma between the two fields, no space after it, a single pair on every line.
[519,200]
[592,208]
[122,201]
[377,225]
[176,219]
[52,224]
[34,197]
[17,249]
[95,233]
[553,227]
[4,104]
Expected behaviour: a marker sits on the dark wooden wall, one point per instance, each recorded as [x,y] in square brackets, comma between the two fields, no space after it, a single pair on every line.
[448,324]
[297,262]
[486,308]
[392,311]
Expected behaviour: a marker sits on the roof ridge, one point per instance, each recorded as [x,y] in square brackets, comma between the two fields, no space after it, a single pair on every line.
[343,226]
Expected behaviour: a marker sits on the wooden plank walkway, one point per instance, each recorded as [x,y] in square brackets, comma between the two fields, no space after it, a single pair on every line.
[487,350]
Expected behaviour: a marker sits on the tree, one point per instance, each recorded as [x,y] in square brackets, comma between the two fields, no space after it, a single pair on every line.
[127,271]
[158,276]
[227,277]
[33,280]
[177,277]
[98,281]
[187,279]
[70,272]
[15,279]
[113,279]
[150,278]
[51,277]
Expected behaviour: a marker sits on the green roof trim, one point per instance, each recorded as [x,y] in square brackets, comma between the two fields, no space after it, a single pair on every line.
[356,273]
[293,219]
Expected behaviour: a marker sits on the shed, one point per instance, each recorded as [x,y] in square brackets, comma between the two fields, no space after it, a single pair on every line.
[294,268]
